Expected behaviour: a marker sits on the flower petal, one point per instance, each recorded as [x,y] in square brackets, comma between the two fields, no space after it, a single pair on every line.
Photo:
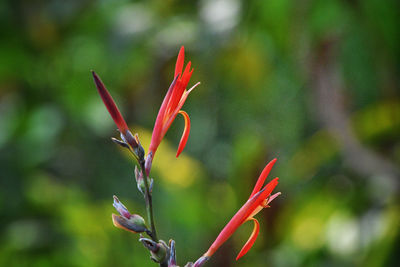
[264,204]
[178,91]
[158,125]
[251,240]
[241,216]
[184,97]
[261,196]
[121,208]
[269,199]
[173,115]
[185,134]
[110,104]
[262,177]
[267,190]
[179,61]
[187,74]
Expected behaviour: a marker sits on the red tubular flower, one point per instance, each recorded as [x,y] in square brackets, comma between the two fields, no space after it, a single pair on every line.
[126,135]
[171,107]
[259,199]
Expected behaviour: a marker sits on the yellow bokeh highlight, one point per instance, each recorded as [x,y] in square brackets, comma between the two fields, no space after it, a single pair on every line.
[308,233]
[182,171]
[377,119]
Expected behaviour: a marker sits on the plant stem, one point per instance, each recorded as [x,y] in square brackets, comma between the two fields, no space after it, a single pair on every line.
[149,203]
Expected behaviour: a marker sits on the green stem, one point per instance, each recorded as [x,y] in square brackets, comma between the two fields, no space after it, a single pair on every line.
[149,204]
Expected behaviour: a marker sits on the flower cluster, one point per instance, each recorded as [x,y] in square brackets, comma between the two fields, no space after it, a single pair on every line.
[259,199]
[171,107]
[174,99]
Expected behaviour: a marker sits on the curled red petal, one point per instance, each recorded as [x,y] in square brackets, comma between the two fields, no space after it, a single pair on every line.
[241,216]
[185,134]
[251,240]
[174,113]
[110,104]
[179,61]
[245,213]
[184,97]
[262,177]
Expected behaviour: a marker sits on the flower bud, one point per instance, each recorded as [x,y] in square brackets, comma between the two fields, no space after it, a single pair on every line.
[119,142]
[139,150]
[121,208]
[158,251]
[127,221]
[135,224]
[139,180]
[128,138]
[172,254]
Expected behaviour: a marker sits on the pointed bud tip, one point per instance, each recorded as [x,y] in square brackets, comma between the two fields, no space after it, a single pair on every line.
[119,142]
[94,74]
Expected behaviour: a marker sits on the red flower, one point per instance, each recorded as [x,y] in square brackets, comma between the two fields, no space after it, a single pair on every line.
[259,199]
[170,107]
[126,135]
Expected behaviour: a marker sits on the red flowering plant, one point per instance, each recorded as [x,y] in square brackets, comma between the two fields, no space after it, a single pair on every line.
[161,252]
[259,199]
[170,107]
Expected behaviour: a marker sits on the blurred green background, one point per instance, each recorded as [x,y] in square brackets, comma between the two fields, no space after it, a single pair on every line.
[313,83]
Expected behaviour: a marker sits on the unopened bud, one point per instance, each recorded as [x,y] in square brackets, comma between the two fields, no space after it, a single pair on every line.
[139,150]
[134,224]
[149,244]
[121,208]
[158,251]
[172,254]
[139,180]
[119,142]
[127,221]
[128,138]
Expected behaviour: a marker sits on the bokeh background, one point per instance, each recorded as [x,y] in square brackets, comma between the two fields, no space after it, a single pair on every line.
[312,83]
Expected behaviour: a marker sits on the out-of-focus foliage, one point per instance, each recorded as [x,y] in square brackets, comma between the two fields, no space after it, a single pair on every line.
[313,83]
